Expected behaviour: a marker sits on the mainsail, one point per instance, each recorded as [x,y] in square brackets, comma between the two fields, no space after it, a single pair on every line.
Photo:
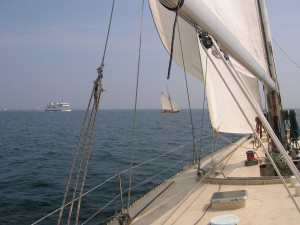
[168,104]
[240,18]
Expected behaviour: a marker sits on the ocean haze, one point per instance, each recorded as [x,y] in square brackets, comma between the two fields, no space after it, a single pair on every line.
[50,51]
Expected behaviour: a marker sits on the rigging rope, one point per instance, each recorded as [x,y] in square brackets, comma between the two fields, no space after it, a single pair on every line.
[96,93]
[74,160]
[88,156]
[294,129]
[286,54]
[259,129]
[135,105]
[95,106]
[188,96]
[108,31]
[212,146]
[180,2]
[79,167]
[202,121]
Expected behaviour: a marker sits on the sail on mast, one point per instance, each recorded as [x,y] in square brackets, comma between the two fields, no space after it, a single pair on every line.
[168,104]
[239,17]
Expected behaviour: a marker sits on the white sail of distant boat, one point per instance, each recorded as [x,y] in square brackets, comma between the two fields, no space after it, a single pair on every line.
[167,103]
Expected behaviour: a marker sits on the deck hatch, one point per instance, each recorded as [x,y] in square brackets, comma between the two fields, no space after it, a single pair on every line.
[229,199]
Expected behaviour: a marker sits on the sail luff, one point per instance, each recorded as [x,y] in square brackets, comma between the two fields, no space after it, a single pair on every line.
[203,16]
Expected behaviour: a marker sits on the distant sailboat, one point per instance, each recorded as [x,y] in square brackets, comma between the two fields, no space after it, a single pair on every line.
[167,104]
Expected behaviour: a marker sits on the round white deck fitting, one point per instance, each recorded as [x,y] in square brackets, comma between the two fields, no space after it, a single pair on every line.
[297,189]
[293,181]
[226,219]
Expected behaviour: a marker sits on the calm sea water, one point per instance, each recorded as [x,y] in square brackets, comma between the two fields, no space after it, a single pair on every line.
[37,148]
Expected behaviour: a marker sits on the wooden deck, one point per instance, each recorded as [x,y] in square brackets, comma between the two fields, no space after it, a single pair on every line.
[185,198]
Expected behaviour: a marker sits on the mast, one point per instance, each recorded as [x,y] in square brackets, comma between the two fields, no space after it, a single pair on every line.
[274,107]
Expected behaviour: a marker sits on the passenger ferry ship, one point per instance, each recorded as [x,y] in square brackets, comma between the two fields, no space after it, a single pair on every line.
[58,107]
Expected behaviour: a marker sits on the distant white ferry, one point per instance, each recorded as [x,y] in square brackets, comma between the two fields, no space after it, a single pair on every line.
[58,107]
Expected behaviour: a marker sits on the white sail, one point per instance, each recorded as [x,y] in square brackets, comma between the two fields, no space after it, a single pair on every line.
[175,107]
[224,113]
[239,16]
[165,100]
[242,19]
[164,20]
[168,104]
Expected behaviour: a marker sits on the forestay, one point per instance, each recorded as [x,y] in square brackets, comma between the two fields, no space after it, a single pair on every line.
[242,19]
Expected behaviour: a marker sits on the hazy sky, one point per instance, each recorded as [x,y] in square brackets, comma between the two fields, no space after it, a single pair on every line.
[50,50]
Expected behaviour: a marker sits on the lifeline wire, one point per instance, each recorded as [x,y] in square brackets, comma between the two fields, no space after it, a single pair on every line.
[109,179]
[135,105]
[155,158]
[136,187]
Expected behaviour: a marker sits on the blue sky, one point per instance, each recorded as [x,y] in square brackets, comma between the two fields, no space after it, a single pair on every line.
[50,50]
